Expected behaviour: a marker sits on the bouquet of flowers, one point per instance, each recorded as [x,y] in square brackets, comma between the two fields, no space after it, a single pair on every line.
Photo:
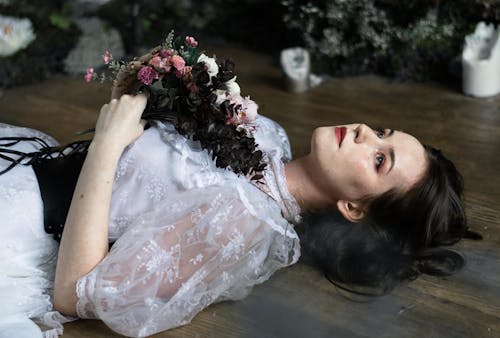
[198,96]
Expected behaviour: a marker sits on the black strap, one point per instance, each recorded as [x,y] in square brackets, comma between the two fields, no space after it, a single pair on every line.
[45,152]
[57,170]
[22,157]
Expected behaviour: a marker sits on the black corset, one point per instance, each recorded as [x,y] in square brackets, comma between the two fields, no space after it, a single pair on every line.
[57,180]
[56,169]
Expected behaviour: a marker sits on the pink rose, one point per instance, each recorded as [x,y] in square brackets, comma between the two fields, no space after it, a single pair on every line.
[146,75]
[155,62]
[178,63]
[90,74]
[190,41]
[107,57]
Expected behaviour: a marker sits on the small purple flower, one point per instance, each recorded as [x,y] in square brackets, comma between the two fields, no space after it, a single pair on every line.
[146,75]
[90,74]
[107,57]
[190,41]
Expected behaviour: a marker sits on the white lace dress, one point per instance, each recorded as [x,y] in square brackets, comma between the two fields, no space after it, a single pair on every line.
[187,233]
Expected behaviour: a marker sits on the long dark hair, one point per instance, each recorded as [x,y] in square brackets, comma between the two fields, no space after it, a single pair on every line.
[401,236]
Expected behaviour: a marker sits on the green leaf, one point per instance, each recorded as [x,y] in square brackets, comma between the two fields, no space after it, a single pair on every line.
[146,23]
[157,85]
[172,92]
[60,21]
[169,40]
[67,9]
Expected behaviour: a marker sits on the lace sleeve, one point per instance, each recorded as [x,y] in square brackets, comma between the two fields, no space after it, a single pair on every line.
[204,247]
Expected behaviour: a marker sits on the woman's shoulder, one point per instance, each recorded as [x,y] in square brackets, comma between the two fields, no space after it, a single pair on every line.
[163,138]
[271,137]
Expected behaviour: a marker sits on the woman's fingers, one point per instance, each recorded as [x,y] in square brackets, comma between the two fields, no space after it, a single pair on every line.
[132,105]
[104,108]
[120,120]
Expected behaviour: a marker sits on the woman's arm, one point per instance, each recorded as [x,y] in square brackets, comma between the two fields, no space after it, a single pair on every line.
[85,238]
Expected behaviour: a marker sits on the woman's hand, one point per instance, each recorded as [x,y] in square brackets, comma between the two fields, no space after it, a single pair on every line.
[119,122]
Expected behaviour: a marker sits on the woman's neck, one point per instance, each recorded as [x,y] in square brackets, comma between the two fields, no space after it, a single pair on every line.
[304,188]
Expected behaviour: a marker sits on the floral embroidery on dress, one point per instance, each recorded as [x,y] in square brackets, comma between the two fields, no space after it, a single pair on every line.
[193,236]
[196,216]
[226,277]
[155,189]
[161,261]
[197,259]
[189,286]
[234,247]
[170,227]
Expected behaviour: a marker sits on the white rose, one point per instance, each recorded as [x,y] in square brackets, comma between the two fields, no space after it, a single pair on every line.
[221,96]
[212,67]
[15,34]
[232,87]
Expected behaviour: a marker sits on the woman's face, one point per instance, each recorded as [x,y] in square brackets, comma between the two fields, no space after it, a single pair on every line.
[355,161]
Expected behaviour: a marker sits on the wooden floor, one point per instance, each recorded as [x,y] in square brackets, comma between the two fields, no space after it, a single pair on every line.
[298,301]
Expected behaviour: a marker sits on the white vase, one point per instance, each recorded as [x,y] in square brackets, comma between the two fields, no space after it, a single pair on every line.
[481,61]
[296,65]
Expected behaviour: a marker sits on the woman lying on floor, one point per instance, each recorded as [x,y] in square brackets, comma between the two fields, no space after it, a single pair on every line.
[201,206]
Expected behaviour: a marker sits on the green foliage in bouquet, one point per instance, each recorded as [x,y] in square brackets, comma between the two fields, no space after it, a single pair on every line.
[55,37]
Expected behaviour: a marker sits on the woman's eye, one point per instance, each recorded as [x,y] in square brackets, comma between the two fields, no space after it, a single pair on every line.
[379,160]
[380,132]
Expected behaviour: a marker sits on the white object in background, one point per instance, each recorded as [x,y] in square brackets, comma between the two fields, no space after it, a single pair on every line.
[15,34]
[296,65]
[481,61]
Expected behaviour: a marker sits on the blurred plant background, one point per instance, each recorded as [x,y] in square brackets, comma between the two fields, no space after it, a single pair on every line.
[55,37]
[415,40]
[256,24]
[410,40]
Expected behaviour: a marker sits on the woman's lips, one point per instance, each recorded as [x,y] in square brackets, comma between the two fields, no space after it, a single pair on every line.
[340,134]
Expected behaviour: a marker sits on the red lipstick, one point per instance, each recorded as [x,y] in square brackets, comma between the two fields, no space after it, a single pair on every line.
[340,134]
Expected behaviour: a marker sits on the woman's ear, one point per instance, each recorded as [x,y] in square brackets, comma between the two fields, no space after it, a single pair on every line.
[352,211]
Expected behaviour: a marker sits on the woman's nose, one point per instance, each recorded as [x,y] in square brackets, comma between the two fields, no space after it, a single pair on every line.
[360,133]
[365,134]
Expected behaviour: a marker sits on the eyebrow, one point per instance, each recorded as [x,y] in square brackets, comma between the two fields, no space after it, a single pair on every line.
[393,159]
[391,152]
